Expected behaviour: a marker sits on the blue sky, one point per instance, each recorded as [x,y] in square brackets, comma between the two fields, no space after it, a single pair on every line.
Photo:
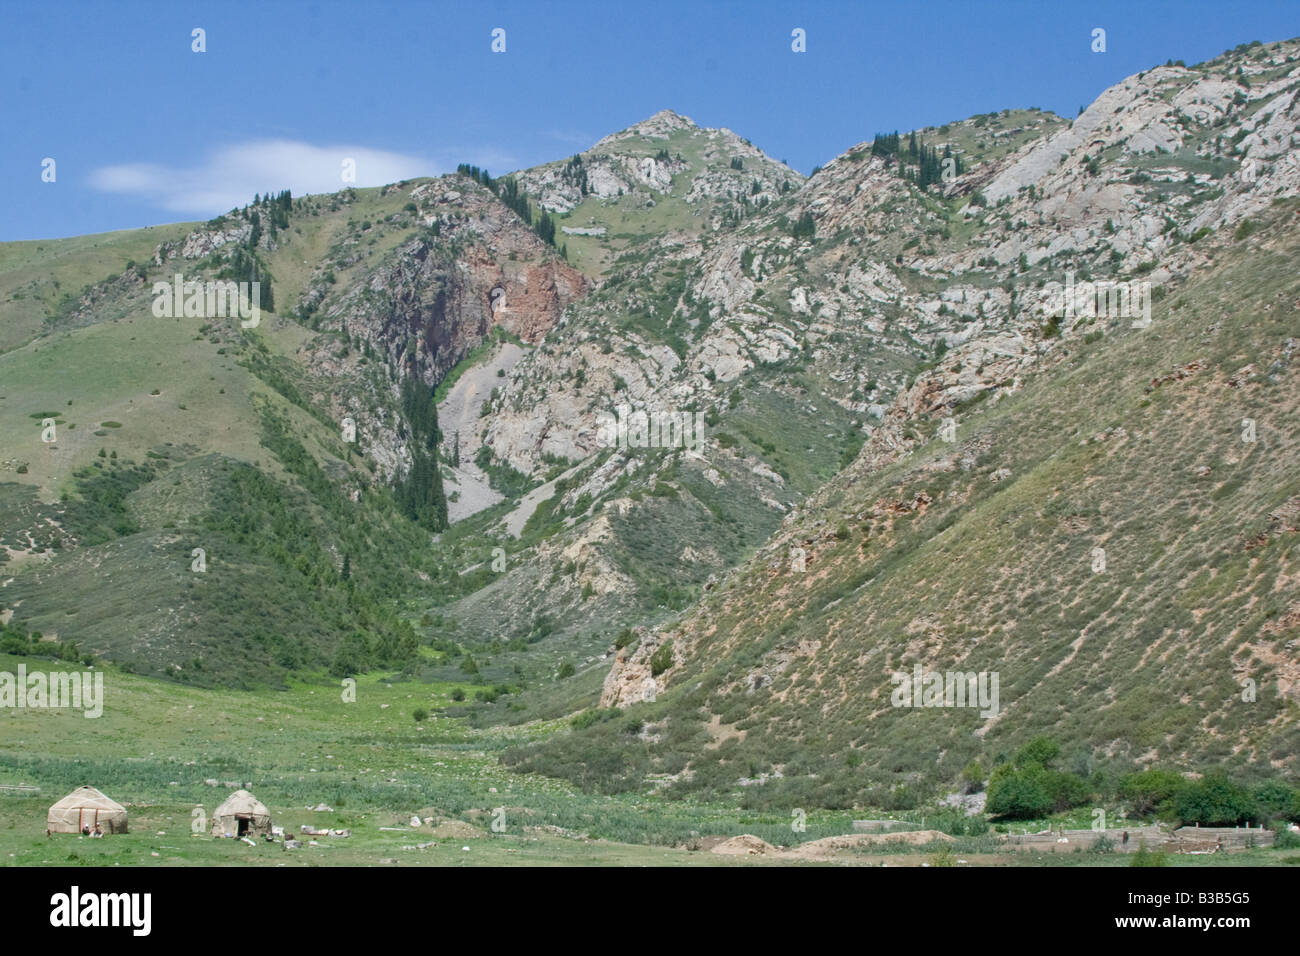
[144,131]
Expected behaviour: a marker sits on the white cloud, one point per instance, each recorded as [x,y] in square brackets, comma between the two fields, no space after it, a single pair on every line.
[231,176]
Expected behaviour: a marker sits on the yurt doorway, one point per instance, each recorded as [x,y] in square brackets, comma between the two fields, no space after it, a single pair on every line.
[244,823]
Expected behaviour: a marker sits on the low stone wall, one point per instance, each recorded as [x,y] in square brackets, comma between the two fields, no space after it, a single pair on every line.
[1066,841]
[1235,838]
[1182,840]
[883,826]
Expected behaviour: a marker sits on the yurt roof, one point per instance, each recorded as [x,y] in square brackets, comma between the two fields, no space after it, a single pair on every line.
[87,798]
[241,801]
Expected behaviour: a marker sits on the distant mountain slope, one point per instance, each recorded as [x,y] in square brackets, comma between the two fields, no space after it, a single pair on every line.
[290,452]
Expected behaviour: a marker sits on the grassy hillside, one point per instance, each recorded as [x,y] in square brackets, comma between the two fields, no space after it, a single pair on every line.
[38,276]
[176,434]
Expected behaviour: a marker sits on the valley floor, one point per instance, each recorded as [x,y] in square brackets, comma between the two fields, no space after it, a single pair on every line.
[159,748]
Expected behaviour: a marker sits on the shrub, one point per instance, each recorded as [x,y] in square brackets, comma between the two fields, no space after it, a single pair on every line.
[1276,800]
[1104,844]
[1019,795]
[1066,789]
[1040,751]
[12,642]
[420,715]
[1148,790]
[1286,840]
[944,856]
[973,777]
[1214,801]
[662,659]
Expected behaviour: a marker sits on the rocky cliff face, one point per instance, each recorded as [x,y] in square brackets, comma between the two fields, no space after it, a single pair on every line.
[470,265]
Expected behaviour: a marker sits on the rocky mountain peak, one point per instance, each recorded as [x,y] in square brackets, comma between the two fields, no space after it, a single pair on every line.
[659,126]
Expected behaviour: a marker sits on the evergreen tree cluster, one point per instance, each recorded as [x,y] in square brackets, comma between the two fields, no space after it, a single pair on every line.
[885,144]
[421,495]
[917,162]
[245,265]
[545,227]
[804,227]
[575,174]
[479,176]
[277,209]
[508,191]
[514,198]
